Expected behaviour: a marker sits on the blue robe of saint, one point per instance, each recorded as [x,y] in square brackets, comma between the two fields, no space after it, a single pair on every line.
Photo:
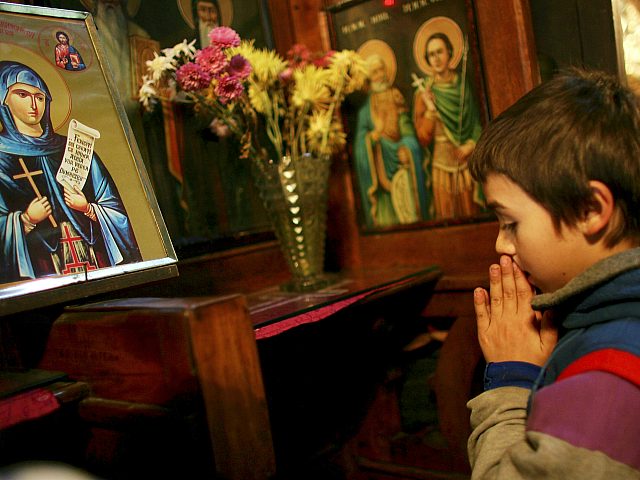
[365,168]
[29,255]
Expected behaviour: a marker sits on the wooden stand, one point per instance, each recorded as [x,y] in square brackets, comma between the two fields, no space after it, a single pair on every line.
[173,353]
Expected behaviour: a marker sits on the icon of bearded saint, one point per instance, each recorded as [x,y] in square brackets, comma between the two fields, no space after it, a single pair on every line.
[206,14]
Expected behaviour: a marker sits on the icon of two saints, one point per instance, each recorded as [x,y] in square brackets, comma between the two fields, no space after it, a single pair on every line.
[412,167]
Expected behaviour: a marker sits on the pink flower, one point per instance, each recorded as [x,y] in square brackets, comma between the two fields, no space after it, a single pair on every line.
[299,53]
[299,56]
[286,74]
[212,60]
[329,55]
[229,88]
[220,129]
[323,62]
[191,77]
[224,37]
[239,67]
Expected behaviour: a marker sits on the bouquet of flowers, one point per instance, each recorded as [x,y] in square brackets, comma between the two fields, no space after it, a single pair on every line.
[244,89]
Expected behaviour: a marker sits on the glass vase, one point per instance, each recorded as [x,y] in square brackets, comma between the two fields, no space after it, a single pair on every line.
[294,194]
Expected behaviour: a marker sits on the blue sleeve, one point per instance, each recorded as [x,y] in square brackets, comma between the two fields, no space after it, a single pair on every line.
[510,374]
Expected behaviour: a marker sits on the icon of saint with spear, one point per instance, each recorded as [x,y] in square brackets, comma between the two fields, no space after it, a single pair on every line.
[446,118]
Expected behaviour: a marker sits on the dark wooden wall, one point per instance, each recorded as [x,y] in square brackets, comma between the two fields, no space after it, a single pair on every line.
[463,251]
[580,33]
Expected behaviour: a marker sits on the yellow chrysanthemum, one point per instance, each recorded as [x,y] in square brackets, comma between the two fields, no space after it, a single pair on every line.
[258,99]
[246,49]
[267,66]
[309,88]
[210,94]
[321,124]
[348,70]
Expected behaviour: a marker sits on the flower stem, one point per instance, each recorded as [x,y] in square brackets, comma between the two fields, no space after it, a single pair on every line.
[334,101]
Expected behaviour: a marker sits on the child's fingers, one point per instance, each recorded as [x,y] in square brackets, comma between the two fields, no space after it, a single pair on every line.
[495,291]
[509,293]
[523,287]
[482,308]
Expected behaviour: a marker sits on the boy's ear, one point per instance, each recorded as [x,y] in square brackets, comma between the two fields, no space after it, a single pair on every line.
[600,213]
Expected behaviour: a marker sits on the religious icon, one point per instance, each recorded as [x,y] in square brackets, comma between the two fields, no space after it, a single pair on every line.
[67,56]
[413,133]
[75,205]
[59,207]
[446,116]
[387,154]
[205,15]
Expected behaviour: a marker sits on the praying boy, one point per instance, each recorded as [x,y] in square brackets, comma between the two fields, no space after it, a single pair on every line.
[560,325]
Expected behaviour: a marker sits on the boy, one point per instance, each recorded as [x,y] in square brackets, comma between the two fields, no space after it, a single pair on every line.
[561,170]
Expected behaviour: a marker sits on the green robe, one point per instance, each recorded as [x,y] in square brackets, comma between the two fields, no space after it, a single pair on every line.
[460,126]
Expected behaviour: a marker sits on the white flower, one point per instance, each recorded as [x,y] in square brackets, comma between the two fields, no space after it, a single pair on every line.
[169,52]
[184,48]
[147,93]
[159,65]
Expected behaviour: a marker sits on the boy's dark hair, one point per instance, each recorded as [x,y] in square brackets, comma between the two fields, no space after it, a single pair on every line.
[578,126]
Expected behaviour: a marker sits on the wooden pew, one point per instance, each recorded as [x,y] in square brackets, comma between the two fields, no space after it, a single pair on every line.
[154,360]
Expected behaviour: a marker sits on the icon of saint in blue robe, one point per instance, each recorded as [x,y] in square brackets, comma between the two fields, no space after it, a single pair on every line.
[67,240]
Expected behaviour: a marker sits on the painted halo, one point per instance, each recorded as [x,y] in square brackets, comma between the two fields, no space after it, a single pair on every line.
[437,25]
[226,12]
[378,47]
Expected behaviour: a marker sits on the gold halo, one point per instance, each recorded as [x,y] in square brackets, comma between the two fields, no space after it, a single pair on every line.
[61,104]
[437,25]
[226,12]
[378,47]
[67,32]
[132,6]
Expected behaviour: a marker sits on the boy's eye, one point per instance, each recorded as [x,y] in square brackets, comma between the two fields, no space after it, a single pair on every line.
[509,227]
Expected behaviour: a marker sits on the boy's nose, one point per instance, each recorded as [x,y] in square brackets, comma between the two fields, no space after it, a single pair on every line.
[503,245]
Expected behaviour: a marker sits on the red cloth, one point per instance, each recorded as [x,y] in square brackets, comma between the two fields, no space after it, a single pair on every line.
[316,314]
[26,406]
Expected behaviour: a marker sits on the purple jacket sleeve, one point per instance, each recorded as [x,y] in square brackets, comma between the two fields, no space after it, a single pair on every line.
[594,410]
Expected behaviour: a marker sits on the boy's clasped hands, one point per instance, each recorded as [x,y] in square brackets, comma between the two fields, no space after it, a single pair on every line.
[508,328]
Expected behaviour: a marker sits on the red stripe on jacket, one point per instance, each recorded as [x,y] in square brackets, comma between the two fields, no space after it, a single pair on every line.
[623,364]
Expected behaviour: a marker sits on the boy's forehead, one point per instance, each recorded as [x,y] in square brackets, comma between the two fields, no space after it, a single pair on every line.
[501,192]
